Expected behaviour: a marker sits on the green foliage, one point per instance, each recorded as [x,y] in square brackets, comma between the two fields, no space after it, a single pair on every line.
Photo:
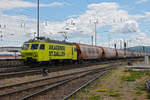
[148,95]
[85,90]
[147,73]
[139,93]
[134,98]
[141,87]
[94,97]
[128,78]
[114,93]
[120,86]
[133,76]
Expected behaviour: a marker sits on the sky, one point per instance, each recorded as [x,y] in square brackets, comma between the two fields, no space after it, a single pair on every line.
[115,21]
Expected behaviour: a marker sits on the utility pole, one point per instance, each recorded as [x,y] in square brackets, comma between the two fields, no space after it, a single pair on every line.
[127,43]
[64,34]
[120,44]
[115,45]
[92,39]
[124,44]
[34,34]
[38,18]
[95,23]
[95,26]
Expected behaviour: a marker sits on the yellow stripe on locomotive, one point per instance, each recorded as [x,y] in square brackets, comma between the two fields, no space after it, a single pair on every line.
[41,51]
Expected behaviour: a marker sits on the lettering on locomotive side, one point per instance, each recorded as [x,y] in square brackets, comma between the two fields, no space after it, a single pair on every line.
[56,53]
[56,47]
[56,50]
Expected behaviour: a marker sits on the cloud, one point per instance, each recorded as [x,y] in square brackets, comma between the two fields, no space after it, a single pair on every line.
[126,28]
[138,39]
[107,14]
[10,4]
[53,27]
[136,17]
[80,27]
[54,4]
[147,16]
[104,6]
[141,1]
[16,29]
[110,14]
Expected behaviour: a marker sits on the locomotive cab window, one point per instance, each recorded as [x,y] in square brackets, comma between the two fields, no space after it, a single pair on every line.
[34,46]
[42,46]
[25,46]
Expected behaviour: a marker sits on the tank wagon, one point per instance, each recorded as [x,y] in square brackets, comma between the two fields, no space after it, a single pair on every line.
[46,50]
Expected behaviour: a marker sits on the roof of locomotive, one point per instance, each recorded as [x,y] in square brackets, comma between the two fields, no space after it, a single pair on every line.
[47,40]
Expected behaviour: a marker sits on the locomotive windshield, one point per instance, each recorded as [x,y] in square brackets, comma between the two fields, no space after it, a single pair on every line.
[34,46]
[25,46]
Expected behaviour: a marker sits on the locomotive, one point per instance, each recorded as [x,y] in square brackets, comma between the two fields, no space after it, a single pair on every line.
[47,50]
[44,50]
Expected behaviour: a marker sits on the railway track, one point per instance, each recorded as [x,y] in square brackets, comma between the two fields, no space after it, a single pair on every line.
[15,69]
[30,89]
[7,63]
[28,70]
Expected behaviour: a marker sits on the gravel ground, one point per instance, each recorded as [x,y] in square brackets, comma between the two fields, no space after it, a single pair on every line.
[113,87]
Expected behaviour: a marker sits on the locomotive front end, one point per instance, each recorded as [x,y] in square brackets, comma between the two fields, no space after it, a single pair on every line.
[29,52]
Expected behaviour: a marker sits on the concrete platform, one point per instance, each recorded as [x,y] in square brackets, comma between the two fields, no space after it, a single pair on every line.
[139,67]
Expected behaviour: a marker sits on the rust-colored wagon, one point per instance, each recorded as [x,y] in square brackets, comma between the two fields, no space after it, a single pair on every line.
[88,51]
